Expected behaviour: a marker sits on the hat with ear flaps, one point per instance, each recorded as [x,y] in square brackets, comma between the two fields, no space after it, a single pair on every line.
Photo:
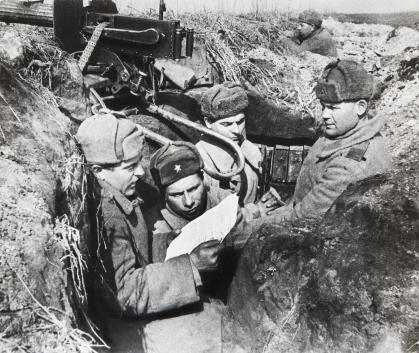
[175,161]
[311,17]
[223,101]
[344,80]
[106,139]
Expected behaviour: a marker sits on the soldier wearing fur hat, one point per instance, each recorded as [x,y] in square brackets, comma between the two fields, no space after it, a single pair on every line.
[223,109]
[127,280]
[177,170]
[311,36]
[351,148]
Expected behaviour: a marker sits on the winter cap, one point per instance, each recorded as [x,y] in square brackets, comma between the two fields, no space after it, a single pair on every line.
[175,161]
[108,140]
[344,80]
[311,17]
[223,101]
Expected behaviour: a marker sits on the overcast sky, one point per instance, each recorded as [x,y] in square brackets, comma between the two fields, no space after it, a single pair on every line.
[350,6]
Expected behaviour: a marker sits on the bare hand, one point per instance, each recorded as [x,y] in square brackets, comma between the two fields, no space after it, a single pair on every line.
[269,202]
[205,255]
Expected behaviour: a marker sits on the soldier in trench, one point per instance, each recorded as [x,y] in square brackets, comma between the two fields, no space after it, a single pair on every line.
[177,169]
[351,148]
[223,108]
[311,36]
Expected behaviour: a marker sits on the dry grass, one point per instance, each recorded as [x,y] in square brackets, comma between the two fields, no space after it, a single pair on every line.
[40,55]
[251,49]
[276,337]
[68,229]
[73,339]
[74,184]
[69,241]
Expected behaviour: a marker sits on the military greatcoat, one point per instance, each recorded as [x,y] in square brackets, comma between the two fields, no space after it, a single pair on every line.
[320,42]
[129,282]
[332,164]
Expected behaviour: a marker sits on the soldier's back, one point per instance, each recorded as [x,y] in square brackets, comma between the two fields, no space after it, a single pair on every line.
[321,42]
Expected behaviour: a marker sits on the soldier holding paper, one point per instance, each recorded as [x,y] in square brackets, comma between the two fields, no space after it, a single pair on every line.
[177,170]
[127,282]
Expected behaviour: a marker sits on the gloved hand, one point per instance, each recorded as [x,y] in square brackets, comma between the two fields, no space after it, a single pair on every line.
[269,202]
[205,255]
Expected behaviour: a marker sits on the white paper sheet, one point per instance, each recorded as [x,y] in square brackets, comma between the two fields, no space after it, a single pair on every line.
[215,223]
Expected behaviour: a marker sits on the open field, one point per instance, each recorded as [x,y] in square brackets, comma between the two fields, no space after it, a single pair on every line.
[407,19]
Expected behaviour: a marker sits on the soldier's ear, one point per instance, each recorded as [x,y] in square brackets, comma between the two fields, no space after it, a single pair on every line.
[361,107]
[97,171]
[207,122]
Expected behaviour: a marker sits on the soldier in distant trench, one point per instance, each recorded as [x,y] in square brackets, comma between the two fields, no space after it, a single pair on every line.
[311,36]
[351,148]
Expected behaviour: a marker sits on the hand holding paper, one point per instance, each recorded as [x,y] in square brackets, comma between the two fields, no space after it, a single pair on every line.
[205,255]
[215,223]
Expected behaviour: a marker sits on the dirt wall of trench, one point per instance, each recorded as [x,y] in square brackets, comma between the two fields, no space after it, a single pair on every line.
[35,309]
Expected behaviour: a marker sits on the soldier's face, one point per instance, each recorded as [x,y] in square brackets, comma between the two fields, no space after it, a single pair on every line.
[339,118]
[305,29]
[232,127]
[187,197]
[124,175]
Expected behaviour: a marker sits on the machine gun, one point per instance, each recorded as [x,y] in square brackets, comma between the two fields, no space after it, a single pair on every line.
[117,54]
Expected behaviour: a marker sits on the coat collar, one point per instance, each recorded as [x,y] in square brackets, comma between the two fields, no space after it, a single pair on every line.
[365,130]
[223,160]
[252,154]
[109,192]
[173,220]
[312,34]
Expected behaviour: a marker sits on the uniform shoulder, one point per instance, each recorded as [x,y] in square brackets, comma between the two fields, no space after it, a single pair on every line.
[325,33]
[216,194]
[202,147]
[154,219]
[110,210]
[358,151]
[378,154]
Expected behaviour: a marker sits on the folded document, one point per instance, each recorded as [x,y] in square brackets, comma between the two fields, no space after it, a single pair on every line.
[215,223]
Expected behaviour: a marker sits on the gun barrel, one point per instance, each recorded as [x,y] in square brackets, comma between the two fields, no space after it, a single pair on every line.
[33,14]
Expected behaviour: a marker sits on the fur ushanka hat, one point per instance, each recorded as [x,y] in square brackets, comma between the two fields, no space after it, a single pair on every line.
[311,17]
[223,101]
[344,80]
[175,161]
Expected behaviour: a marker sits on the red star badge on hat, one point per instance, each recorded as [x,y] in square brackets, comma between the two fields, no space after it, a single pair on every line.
[177,168]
